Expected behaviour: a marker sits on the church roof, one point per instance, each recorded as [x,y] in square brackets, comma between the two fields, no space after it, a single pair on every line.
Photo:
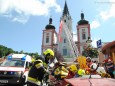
[65,11]
[50,26]
[82,21]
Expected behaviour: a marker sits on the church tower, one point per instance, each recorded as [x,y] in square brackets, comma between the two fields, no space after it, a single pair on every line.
[49,38]
[83,33]
[63,45]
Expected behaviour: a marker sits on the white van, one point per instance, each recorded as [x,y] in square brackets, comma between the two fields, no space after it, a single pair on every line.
[14,70]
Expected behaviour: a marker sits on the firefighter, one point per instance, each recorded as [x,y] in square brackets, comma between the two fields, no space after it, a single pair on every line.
[60,72]
[110,67]
[72,71]
[39,68]
[92,66]
[88,62]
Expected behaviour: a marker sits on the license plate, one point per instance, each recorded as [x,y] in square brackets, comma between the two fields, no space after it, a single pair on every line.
[3,81]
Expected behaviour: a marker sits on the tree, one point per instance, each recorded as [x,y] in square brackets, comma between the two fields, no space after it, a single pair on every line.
[4,51]
[90,52]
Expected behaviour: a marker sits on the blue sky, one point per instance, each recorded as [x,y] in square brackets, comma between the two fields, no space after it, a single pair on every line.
[22,21]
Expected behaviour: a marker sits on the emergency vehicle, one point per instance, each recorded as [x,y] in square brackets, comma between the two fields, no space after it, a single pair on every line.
[14,70]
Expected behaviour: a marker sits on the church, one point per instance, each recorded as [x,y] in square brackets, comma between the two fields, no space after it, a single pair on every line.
[62,41]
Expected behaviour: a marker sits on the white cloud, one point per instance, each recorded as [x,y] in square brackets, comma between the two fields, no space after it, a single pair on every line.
[109,13]
[94,42]
[95,24]
[20,10]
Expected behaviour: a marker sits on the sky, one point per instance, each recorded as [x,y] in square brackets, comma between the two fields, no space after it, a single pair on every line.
[22,21]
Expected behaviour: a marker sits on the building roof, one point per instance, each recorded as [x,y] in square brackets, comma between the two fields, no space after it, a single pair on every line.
[65,11]
[50,26]
[111,44]
[82,21]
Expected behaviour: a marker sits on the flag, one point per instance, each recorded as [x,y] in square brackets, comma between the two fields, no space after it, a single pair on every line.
[60,31]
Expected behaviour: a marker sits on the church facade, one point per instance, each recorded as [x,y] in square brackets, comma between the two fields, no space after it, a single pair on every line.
[59,41]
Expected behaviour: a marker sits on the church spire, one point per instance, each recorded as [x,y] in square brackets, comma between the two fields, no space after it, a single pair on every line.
[65,11]
[82,15]
[50,20]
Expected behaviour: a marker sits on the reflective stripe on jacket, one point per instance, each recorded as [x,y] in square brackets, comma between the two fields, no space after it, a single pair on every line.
[33,80]
[39,65]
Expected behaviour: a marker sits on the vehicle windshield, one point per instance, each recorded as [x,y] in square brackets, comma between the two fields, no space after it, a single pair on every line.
[13,63]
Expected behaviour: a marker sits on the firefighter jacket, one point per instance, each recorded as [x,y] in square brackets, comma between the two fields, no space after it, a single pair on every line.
[70,75]
[36,72]
[62,72]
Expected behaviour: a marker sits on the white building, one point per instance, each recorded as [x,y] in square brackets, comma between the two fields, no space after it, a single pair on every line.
[63,45]
[60,41]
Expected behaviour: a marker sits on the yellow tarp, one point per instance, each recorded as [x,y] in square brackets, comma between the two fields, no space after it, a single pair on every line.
[82,62]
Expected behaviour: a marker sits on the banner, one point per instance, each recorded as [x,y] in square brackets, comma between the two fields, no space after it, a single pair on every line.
[60,31]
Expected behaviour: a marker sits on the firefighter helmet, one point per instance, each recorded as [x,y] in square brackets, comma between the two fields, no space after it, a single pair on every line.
[88,59]
[81,72]
[73,68]
[49,51]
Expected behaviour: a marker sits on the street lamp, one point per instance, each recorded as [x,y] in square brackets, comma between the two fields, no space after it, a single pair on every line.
[88,42]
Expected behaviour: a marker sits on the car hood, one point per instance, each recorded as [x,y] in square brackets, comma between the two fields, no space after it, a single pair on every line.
[12,68]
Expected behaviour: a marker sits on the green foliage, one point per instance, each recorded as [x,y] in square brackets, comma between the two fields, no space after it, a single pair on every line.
[90,52]
[4,51]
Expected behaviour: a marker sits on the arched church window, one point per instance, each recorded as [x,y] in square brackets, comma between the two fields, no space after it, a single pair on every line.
[64,20]
[65,52]
[83,34]
[64,40]
[47,38]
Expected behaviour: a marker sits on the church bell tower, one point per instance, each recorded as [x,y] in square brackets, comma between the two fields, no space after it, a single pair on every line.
[49,38]
[83,33]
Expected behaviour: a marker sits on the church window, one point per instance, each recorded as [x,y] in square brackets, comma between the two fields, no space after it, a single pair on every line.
[65,52]
[47,34]
[47,38]
[64,20]
[83,34]
[64,40]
